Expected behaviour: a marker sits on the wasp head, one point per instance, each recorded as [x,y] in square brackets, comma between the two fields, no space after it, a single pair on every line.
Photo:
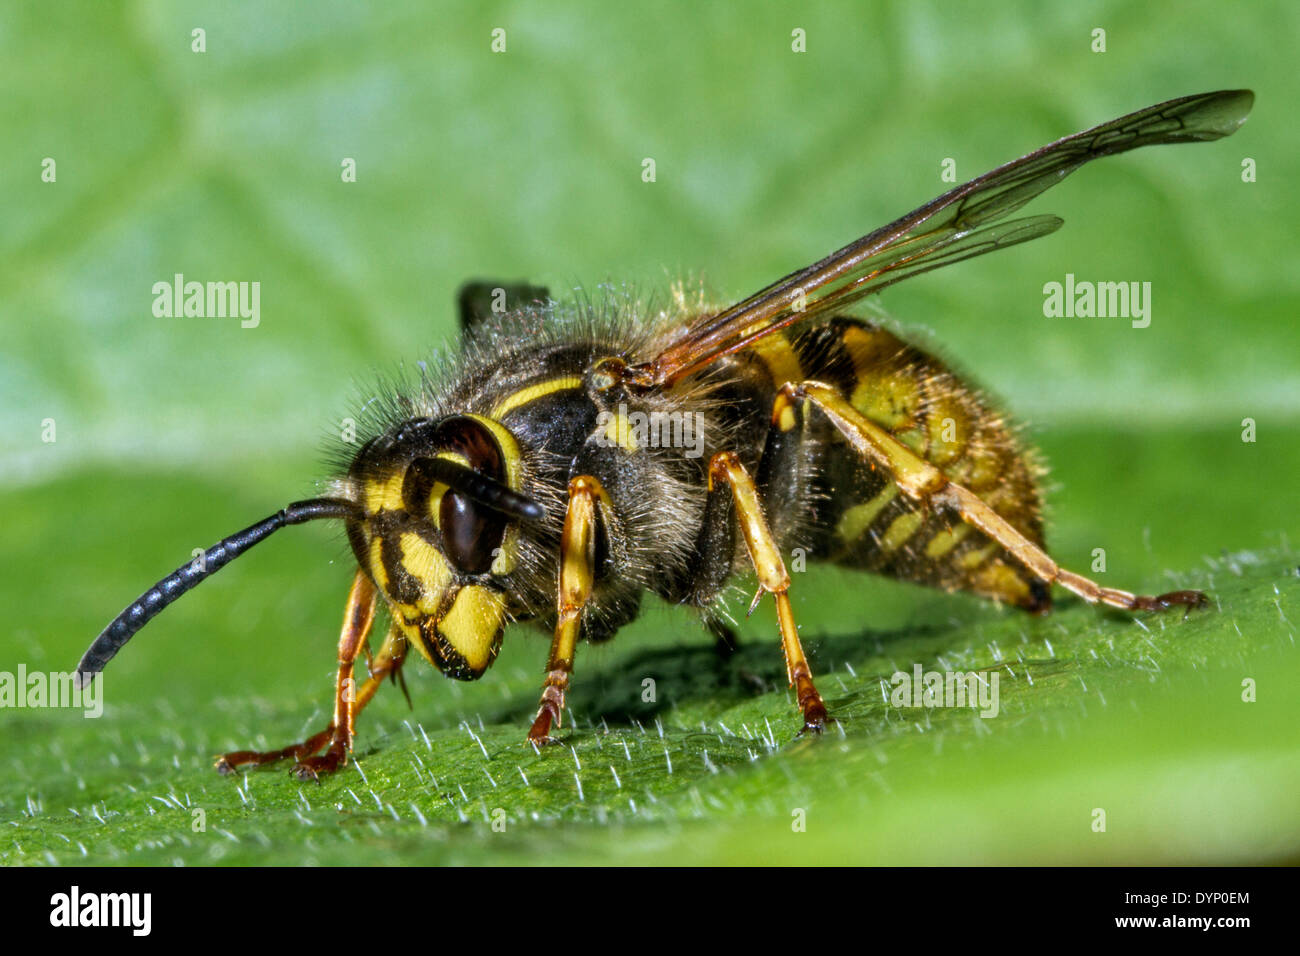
[437,528]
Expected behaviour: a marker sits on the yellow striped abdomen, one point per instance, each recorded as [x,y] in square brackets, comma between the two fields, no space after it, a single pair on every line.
[865,522]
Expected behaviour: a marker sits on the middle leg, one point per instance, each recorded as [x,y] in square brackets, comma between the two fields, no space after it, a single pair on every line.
[576,580]
[773,579]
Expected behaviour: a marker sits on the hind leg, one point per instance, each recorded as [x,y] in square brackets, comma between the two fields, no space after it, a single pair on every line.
[773,579]
[920,481]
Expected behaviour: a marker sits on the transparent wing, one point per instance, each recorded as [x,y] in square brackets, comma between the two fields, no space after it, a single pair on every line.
[960,224]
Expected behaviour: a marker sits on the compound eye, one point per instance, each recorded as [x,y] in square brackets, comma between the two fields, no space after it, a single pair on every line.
[471,533]
[461,485]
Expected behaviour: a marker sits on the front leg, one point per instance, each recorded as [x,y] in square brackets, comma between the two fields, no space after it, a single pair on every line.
[357,620]
[576,579]
[772,578]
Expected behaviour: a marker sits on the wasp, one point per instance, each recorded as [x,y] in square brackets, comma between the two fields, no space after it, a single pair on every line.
[546,474]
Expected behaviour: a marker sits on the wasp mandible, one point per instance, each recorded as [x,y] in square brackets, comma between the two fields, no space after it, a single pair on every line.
[518,481]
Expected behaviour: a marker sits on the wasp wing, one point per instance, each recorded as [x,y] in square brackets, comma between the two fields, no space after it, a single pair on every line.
[960,224]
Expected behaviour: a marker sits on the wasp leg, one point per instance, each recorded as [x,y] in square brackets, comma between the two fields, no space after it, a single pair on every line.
[577,573]
[387,663]
[772,578]
[922,482]
[357,620]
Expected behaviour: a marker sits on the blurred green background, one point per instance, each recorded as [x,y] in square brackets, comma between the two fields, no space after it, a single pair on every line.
[225,165]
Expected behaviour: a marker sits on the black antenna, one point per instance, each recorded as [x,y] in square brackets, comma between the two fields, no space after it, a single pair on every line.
[475,486]
[144,608]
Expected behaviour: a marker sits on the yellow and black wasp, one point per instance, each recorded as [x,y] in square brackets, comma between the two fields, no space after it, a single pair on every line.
[571,458]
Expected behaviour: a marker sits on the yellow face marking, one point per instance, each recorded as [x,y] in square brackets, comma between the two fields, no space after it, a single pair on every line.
[384,494]
[619,431]
[900,529]
[377,570]
[412,632]
[472,624]
[859,518]
[533,392]
[426,564]
[945,541]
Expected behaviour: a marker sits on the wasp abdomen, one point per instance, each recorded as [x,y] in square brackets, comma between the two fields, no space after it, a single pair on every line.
[862,519]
